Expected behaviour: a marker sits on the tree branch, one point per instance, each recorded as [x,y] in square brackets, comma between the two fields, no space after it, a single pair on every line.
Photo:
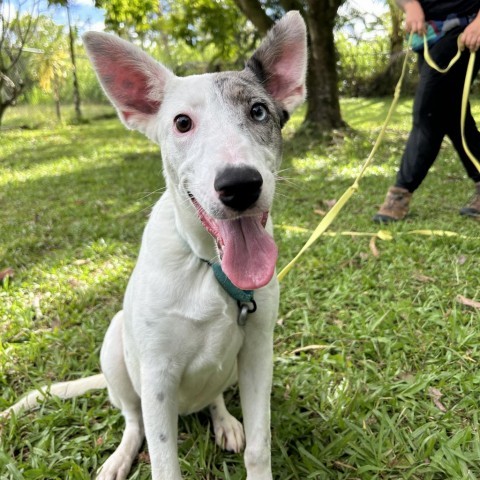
[293,5]
[253,10]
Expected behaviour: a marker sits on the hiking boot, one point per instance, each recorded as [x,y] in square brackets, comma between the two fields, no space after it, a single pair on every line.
[395,206]
[473,208]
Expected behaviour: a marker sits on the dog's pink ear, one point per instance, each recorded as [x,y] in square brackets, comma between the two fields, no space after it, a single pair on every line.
[133,81]
[280,62]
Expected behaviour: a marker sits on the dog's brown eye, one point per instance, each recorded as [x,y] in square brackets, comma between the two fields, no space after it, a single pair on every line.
[259,112]
[183,123]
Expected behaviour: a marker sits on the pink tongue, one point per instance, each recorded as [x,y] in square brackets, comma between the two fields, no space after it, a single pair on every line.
[249,252]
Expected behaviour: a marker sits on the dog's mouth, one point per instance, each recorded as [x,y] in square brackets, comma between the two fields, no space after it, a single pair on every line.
[248,253]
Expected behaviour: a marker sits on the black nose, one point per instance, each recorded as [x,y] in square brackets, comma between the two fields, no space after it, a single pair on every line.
[238,187]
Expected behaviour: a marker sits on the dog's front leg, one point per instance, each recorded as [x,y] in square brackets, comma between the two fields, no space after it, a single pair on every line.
[160,415]
[255,365]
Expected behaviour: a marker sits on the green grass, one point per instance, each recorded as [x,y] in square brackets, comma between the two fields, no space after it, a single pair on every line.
[380,333]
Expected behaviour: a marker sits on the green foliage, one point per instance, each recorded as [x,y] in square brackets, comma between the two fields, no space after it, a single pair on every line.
[370,57]
[90,89]
[127,17]
[50,65]
[190,37]
[386,384]
[216,26]
[16,31]
[359,61]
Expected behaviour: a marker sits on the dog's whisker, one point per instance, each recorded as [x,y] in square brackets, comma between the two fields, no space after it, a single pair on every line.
[149,194]
[281,173]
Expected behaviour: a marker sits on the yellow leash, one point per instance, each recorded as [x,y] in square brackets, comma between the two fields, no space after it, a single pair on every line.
[335,210]
[431,62]
[386,235]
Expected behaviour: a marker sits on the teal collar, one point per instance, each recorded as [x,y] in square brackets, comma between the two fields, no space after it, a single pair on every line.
[244,298]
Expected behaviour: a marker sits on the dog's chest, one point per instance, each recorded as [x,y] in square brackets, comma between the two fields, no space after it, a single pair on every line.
[212,364]
[182,317]
[203,351]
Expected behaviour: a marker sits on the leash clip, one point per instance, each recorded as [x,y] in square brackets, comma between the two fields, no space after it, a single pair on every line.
[243,310]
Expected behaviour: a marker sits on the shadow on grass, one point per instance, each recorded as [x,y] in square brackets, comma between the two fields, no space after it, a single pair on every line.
[109,139]
[57,214]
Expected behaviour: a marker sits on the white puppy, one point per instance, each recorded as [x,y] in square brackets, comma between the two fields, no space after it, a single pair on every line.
[201,304]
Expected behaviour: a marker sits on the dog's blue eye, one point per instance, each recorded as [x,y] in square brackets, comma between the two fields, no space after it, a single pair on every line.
[183,123]
[259,112]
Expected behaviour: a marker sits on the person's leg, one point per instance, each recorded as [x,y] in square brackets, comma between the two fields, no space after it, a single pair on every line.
[472,139]
[426,135]
[453,104]
[437,94]
[471,133]
[428,130]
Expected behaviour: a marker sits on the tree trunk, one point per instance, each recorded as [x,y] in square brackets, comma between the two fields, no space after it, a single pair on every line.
[13,91]
[253,10]
[323,108]
[76,90]
[3,109]
[56,96]
[396,35]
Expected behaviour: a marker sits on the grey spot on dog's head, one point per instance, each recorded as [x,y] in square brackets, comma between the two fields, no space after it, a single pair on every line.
[160,397]
[239,91]
[163,438]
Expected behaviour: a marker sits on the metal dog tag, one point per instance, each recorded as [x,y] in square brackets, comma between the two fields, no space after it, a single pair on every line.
[244,309]
[243,314]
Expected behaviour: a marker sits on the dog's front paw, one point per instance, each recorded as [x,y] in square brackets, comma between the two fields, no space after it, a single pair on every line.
[229,433]
[115,468]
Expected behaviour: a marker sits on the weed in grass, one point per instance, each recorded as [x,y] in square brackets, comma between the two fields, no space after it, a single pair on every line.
[362,340]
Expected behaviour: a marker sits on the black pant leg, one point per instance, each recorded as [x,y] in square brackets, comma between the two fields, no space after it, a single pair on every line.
[472,135]
[432,112]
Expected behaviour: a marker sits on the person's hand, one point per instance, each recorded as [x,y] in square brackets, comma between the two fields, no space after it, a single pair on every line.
[470,37]
[414,17]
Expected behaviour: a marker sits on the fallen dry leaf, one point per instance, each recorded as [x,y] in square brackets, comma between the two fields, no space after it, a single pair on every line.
[319,211]
[36,307]
[461,259]
[343,466]
[373,247]
[330,203]
[144,457]
[436,395]
[422,278]
[468,302]
[81,261]
[6,273]
[309,348]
